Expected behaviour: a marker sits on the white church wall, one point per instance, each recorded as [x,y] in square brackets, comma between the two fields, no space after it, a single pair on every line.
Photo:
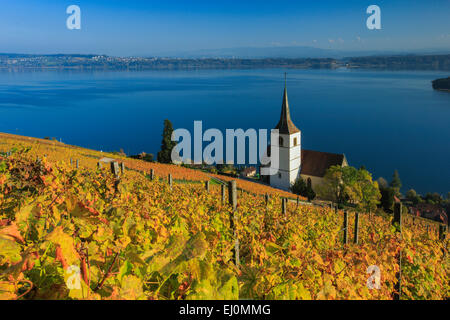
[283,158]
[280,180]
[294,160]
[282,151]
[293,175]
[292,139]
[284,179]
[289,161]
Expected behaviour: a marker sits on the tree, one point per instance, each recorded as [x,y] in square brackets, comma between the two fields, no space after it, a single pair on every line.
[387,198]
[396,183]
[412,196]
[382,183]
[350,185]
[147,157]
[433,198]
[143,156]
[304,189]
[369,191]
[334,184]
[164,156]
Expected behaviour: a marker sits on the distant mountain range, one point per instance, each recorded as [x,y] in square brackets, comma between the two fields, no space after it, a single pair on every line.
[290,52]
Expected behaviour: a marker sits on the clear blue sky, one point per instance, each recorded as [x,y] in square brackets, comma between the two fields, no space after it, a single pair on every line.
[137,27]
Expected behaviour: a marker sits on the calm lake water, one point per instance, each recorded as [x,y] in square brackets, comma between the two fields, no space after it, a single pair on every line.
[380,119]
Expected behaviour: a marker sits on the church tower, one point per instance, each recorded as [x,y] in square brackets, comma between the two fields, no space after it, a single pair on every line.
[289,148]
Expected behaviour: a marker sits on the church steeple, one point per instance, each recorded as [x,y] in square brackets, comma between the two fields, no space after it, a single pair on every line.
[285,125]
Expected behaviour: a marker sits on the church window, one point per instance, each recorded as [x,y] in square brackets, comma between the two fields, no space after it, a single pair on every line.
[280,141]
[295,142]
[279,175]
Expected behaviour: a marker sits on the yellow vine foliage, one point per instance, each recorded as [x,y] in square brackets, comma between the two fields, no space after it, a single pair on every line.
[256,188]
[68,233]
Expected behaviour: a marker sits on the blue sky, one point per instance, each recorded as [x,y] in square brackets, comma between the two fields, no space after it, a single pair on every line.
[136,27]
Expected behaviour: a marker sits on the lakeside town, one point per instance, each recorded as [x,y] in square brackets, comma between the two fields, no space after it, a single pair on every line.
[21,62]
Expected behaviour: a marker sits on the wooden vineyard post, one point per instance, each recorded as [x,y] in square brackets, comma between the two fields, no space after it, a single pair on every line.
[99,165]
[122,167]
[298,201]
[71,162]
[232,195]
[78,164]
[232,199]
[283,206]
[442,230]
[398,216]
[267,199]
[207,186]
[223,193]
[355,237]
[397,221]
[170,181]
[115,172]
[115,169]
[152,174]
[345,227]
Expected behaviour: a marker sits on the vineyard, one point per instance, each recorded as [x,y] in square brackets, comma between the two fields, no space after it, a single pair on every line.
[56,151]
[256,188]
[82,233]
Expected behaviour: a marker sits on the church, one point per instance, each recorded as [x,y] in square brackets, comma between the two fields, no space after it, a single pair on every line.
[296,162]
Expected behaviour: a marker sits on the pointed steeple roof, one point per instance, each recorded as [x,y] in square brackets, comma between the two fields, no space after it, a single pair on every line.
[285,125]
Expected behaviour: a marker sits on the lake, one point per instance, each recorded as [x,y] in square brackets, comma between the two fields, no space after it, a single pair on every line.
[384,120]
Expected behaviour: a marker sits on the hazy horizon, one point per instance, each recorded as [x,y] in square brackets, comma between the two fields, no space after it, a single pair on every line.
[185,53]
